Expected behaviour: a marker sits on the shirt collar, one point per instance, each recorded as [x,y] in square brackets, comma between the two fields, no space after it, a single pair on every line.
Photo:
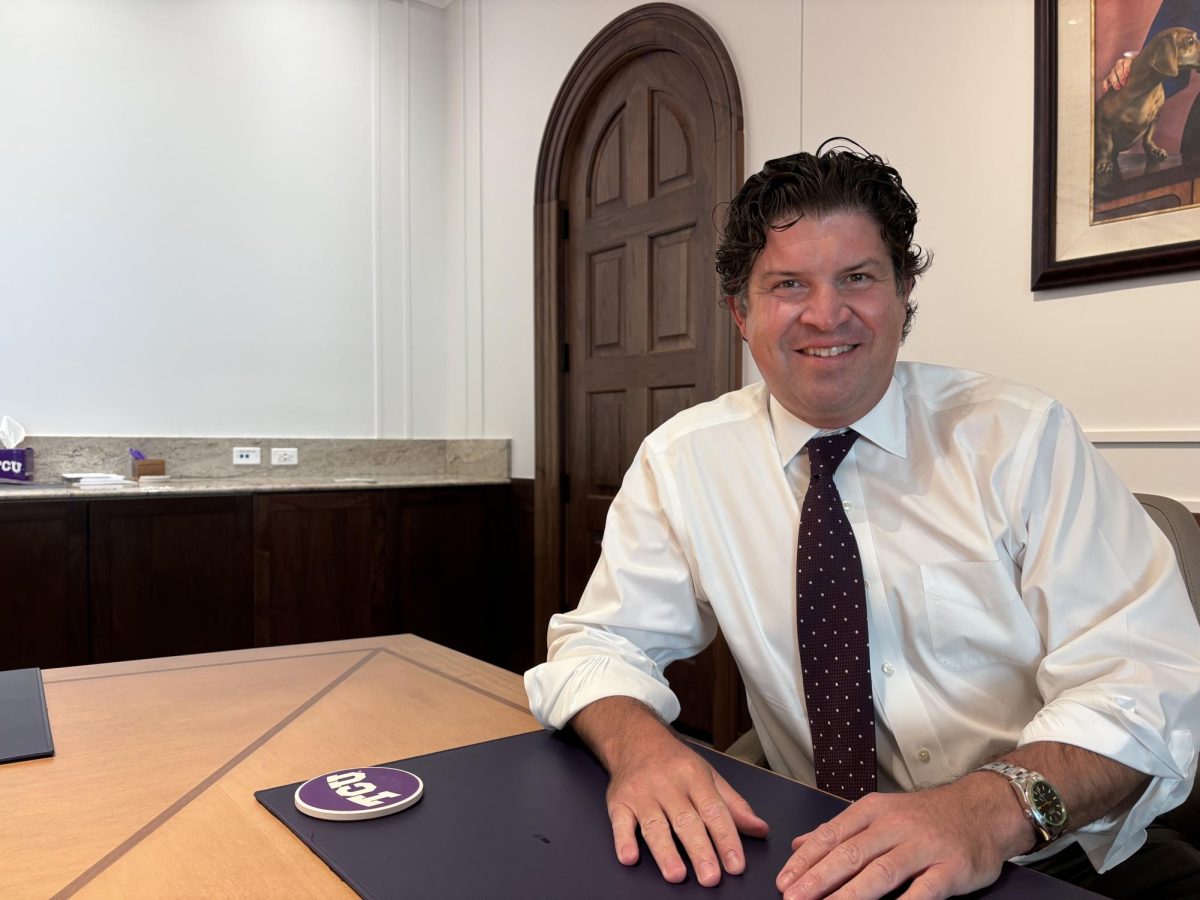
[882,426]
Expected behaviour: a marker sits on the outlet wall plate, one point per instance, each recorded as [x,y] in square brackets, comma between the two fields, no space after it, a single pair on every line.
[285,456]
[247,456]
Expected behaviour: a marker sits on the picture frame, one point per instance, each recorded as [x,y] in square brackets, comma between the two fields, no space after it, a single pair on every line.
[1084,232]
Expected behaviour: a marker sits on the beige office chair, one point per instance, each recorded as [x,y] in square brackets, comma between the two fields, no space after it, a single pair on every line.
[1180,527]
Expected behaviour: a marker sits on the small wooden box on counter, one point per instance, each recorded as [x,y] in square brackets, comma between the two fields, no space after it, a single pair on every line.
[140,467]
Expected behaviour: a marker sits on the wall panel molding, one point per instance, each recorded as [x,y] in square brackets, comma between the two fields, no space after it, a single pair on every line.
[1104,436]
[376,214]
[472,126]
[405,238]
[391,111]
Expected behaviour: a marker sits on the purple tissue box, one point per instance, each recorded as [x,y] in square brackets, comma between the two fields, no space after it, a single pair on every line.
[16,465]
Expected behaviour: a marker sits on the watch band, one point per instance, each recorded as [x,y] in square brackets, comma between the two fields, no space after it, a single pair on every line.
[1011,771]
[1023,781]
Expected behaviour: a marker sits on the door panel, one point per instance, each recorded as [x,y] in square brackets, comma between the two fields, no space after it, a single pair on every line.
[671,325]
[606,299]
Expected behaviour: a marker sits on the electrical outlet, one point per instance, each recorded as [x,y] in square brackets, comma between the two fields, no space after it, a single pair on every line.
[247,456]
[284,456]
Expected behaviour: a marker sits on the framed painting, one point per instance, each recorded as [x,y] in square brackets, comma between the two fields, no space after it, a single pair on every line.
[1116,189]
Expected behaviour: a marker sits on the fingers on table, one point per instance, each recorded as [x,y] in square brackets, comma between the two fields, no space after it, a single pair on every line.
[865,854]
[699,820]
[744,818]
[624,827]
[841,852]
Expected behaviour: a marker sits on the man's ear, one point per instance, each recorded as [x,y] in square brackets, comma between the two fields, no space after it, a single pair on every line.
[739,317]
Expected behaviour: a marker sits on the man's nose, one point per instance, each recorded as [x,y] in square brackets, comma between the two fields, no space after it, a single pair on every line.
[825,308]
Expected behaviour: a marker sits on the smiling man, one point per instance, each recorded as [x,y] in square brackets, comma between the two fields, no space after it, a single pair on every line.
[944,605]
[828,317]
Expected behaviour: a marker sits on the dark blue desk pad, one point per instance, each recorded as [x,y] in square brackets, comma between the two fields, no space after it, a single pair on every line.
[24,723]
[524,817]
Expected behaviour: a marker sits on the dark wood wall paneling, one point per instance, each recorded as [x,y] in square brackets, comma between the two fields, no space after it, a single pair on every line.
[170,576]
[518,635]
[103,579]
[44,601]
[323,567]
[453,578]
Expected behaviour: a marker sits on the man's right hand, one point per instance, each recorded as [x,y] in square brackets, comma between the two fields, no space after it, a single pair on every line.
[660,786]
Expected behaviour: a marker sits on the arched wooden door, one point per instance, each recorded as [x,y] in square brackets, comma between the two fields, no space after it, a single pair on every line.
[642,146]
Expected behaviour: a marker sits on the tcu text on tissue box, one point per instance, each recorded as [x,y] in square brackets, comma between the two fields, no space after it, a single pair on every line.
[16,465]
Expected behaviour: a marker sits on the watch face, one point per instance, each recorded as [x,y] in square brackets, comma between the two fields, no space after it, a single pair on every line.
[1047,805]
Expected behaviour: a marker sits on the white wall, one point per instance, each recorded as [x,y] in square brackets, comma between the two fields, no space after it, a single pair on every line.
[226,217]
[185,241]
[314,217]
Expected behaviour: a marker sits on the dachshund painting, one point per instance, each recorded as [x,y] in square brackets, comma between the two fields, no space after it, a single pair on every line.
[1130,114]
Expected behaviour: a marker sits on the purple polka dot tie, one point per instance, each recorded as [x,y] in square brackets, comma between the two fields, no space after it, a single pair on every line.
[831,612]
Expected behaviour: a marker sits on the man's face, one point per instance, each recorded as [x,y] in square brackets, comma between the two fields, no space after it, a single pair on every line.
[823,317]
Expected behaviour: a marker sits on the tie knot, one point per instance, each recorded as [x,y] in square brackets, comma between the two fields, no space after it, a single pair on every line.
[825,454]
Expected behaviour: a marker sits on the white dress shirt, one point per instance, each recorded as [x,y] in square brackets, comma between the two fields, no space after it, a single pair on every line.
[1016,590]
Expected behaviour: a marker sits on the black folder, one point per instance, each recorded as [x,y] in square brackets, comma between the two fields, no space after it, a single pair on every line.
[524,817]
[24,724]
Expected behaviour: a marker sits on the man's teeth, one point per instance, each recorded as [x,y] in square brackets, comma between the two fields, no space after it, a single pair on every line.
[827,351]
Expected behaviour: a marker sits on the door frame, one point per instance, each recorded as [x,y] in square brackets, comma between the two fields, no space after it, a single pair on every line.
[645,29]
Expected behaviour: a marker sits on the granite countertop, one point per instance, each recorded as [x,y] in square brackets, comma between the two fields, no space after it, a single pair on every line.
[193,486]
[204,465]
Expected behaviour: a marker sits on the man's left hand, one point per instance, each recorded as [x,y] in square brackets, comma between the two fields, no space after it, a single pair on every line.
[948,840]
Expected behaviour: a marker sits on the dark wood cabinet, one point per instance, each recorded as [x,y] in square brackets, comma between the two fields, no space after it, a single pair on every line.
[170,576]
[106,579]
[516,637]
[322,567]
[43,603]
[452,572]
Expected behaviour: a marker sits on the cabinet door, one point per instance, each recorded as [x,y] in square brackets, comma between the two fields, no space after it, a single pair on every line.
[322,567]
[43,600]
[453,568]
[171,576]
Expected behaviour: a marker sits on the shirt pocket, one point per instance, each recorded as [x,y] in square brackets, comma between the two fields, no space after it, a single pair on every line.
[976,616]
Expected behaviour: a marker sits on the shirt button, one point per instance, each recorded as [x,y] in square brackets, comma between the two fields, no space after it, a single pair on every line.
[847,505]
[923,755]
[888,669]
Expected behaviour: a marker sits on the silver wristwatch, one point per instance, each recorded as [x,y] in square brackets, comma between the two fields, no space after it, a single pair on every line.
[1043,806]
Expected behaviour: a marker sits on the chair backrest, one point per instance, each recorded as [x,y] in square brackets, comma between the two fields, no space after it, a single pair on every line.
[1179,525]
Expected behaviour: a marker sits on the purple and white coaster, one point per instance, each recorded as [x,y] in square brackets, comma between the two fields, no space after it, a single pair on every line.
[352,794]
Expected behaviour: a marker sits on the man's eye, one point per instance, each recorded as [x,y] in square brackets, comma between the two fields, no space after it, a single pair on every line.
[788,284]
[858,277]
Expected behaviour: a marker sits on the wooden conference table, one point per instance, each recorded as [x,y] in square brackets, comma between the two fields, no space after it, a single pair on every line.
[151,790]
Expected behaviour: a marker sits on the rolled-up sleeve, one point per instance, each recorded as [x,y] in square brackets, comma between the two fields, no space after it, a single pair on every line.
[638,614]
[1121,675]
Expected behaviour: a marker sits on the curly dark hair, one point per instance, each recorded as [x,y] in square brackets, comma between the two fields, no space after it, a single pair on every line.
[837,178]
